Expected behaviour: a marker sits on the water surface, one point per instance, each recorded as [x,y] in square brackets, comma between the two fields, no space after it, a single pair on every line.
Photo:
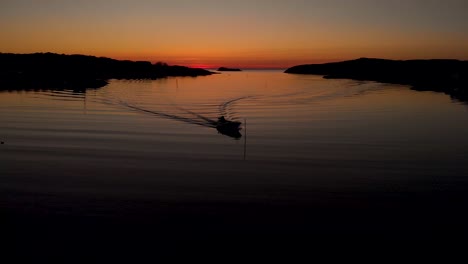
[316,157]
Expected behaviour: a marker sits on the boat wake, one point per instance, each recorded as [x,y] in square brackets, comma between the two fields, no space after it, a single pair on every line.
[225,123]
[196,120]
[225,108]
[223,116]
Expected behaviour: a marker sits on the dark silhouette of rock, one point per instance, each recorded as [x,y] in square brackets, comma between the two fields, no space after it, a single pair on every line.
[228,69]
[448,76]
[58,71]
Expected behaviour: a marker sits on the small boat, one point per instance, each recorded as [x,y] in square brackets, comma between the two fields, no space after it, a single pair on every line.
[228,128]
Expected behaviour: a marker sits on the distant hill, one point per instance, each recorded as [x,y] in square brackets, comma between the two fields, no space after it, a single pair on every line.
[228,69]
[449,76]
[49,70]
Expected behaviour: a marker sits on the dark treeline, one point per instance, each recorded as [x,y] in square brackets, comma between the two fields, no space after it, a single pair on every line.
[56,71]
[448,76]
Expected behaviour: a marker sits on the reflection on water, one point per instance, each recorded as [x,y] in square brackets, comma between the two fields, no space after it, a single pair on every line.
[291,118]
[150,150]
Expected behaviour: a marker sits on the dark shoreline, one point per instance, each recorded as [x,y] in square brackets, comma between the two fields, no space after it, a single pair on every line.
[79,72]
[447,76]
[228,69]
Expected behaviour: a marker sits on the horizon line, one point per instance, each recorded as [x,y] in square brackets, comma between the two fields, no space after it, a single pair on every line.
[210,66]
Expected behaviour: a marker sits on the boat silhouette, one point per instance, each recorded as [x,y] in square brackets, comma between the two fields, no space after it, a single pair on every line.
[223,126]
[228,128]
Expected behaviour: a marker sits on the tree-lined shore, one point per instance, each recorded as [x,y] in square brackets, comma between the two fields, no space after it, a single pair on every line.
[448,76]
[58,71]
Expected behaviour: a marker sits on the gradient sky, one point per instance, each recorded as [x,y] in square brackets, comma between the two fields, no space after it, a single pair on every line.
[240,33]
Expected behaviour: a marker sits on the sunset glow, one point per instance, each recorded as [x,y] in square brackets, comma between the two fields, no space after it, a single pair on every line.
[181,131]
[271,34]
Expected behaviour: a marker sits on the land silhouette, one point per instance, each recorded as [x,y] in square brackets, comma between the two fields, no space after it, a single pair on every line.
[58,71]
[448,76]
[79,72]
[228,69]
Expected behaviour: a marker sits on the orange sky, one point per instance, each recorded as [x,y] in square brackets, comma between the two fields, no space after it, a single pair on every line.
[246,34]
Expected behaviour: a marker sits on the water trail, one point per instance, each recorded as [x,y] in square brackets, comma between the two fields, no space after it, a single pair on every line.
[223,126]
[197,115]
[207,115]
[61,95]
[224,107]
[206,122]
[316,96]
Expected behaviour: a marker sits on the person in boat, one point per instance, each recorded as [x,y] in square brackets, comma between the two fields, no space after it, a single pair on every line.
[222,120]
[228,128]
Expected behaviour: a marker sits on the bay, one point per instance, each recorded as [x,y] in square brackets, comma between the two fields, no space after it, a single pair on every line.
[317,158]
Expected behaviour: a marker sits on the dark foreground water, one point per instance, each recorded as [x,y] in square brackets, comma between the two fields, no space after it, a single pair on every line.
[135,171]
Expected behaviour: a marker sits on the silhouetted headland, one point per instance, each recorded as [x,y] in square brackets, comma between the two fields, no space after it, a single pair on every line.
[448,76]
[228,69]
[58,71]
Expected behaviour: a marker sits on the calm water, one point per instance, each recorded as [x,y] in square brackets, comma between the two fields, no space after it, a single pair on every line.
[316,156]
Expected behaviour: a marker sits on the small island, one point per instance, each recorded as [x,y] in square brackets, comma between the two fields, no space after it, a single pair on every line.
[448,76]
[228,69]
[79,72]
